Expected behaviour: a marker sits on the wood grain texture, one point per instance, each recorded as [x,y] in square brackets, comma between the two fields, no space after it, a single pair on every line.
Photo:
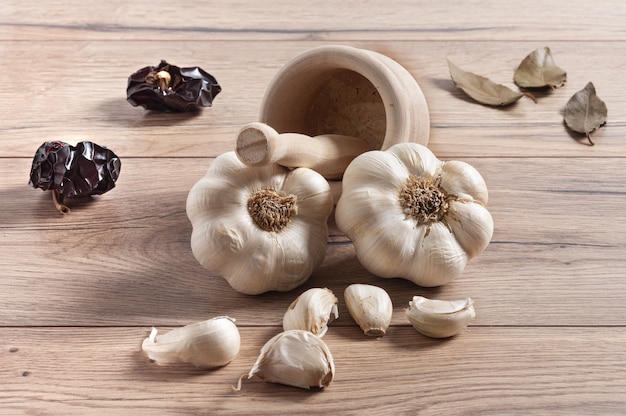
[131,248]
[78,293]
[287,20]
[92,102]
[563,371]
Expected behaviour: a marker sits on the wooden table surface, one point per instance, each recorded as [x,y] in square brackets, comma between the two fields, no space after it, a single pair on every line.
[79,292]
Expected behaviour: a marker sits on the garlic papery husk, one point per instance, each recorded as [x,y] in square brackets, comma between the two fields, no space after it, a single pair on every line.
[440,318]
[296,358]
[413,216]
[312,311]
[260,228]
[371,308]
[207,344]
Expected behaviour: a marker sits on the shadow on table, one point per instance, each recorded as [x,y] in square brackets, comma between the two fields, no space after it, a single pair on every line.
[120,112]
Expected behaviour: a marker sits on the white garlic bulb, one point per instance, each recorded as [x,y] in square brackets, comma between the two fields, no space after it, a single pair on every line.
[260,228]
[440,318]
[371,308]
[312,311]
[207,344]
[295,358]
[413,216]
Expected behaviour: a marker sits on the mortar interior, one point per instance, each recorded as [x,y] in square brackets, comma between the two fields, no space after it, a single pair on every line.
[328,101]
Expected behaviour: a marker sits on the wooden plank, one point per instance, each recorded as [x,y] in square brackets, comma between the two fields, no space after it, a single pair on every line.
[78,293]
[506,371]
[282,20]
[124,258]
[546,285]
[91,103]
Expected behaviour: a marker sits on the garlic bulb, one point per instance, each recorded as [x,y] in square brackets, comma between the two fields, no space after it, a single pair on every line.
[207,344]
[413,216]
[261,228]
[440,318]
[312,311]
[296,358]
[371,308]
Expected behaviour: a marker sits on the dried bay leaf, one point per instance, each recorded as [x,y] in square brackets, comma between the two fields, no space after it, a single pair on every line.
[483,89]
[585,112]
[538,70]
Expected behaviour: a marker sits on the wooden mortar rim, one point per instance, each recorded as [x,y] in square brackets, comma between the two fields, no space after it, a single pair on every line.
[406,109]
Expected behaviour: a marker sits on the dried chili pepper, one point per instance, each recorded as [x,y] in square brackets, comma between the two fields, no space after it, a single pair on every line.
[170,88]
[74,171]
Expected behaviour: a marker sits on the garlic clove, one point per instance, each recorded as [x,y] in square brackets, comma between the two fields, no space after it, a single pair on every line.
[473,239]
[464,182]
[312,311]
[295,358]
[207,344]
[440,318]
[370,306]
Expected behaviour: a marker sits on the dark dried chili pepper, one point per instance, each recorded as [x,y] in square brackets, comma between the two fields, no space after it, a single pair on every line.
[170,88]
[74,171]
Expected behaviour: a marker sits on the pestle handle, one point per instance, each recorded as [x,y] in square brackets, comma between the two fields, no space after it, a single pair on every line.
[329,154]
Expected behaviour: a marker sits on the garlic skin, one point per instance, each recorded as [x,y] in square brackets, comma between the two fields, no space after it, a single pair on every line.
[295,358]
[370,306]
[440,318]
[207,344]
[312,311]
[413,216]
[260,228]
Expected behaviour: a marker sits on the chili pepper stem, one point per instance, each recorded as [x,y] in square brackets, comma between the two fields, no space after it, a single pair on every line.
[56,198]
[163,79]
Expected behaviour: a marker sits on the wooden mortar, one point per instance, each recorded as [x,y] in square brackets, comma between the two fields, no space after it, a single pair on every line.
[343,90]
[336,92]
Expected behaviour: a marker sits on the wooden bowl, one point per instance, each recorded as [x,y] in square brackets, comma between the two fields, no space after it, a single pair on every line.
[344,90]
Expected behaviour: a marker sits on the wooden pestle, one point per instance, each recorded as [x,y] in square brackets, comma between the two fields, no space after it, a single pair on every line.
[328,154]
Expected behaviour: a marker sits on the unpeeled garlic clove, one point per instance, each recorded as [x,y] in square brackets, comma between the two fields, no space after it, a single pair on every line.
[371,308]
[296,358]
[208,344]
[440,318]
[312,311]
